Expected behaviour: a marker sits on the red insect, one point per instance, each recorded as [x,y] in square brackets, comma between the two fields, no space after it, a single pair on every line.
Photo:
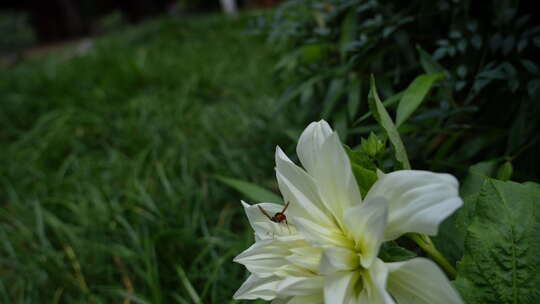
[278,217]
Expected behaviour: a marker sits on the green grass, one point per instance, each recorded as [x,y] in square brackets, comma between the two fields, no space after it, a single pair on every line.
[107,160]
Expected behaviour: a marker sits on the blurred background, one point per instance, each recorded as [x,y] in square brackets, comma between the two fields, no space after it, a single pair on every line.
[130,130]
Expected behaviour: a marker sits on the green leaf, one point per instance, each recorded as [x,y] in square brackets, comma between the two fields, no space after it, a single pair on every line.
[294,91]
[429,64]
[250,190]
[387,103]
[382,117]
[364,169]
[355,93]
[340,124]
[313,52]
[501,260]
[453,230]
[348,33]
[373,145]
[392,252]
[335,91]
[360,158]
[365,178]
[505,171]
[477,174]
[451,237]
[414,95]
[530,66]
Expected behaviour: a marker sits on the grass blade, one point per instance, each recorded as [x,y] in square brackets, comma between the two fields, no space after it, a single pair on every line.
[250,190]
[414,95]
[381,115]
[187,285]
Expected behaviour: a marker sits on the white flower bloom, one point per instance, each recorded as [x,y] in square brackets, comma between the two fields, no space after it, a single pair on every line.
[328,253]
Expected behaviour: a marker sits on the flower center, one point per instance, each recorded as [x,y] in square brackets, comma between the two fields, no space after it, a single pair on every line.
[359,284]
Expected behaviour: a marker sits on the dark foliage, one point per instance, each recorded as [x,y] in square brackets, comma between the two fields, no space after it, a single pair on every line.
[484,108]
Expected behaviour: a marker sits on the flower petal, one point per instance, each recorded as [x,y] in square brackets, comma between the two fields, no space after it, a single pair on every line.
[420,281]
[307,257]
[255,287]
[266,258]
[264,228]
[418,201]
[339,288]
[300,286]
[334,176]
[326,161]
[321,235]
[311,299]
[298,188]
[366,224]
[375,280]
[336,259]
[310,143]
[263,258]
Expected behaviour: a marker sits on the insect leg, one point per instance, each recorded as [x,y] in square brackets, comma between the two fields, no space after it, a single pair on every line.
[265,213]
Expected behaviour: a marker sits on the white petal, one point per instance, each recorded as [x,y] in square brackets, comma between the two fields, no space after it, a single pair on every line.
[294,286]
[420,281]
[336,259]
[263,258]
[326,161]
[308,257]
[310,143]
[375,280]
[290,255]
[311,299]
[285,300]
[254,287]
[339,288]
[264,227]
[366,224]
[298,188]
[292,270]
[317,298]
[360,286]
[418,201]
[321,235]
[334,177]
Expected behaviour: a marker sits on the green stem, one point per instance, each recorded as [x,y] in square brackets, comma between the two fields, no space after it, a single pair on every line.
[427,245]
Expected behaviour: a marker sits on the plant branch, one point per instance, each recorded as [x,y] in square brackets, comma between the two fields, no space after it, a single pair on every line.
[427,245]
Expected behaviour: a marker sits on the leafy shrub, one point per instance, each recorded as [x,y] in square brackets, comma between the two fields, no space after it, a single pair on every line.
[485,52]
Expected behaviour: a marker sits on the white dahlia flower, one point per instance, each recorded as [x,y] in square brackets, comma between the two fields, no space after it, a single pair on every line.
[328,251]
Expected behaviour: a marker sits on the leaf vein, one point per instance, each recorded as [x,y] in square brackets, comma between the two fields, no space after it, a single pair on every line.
[513,245]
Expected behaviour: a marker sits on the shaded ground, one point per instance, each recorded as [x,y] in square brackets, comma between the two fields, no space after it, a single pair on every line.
[106,164]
